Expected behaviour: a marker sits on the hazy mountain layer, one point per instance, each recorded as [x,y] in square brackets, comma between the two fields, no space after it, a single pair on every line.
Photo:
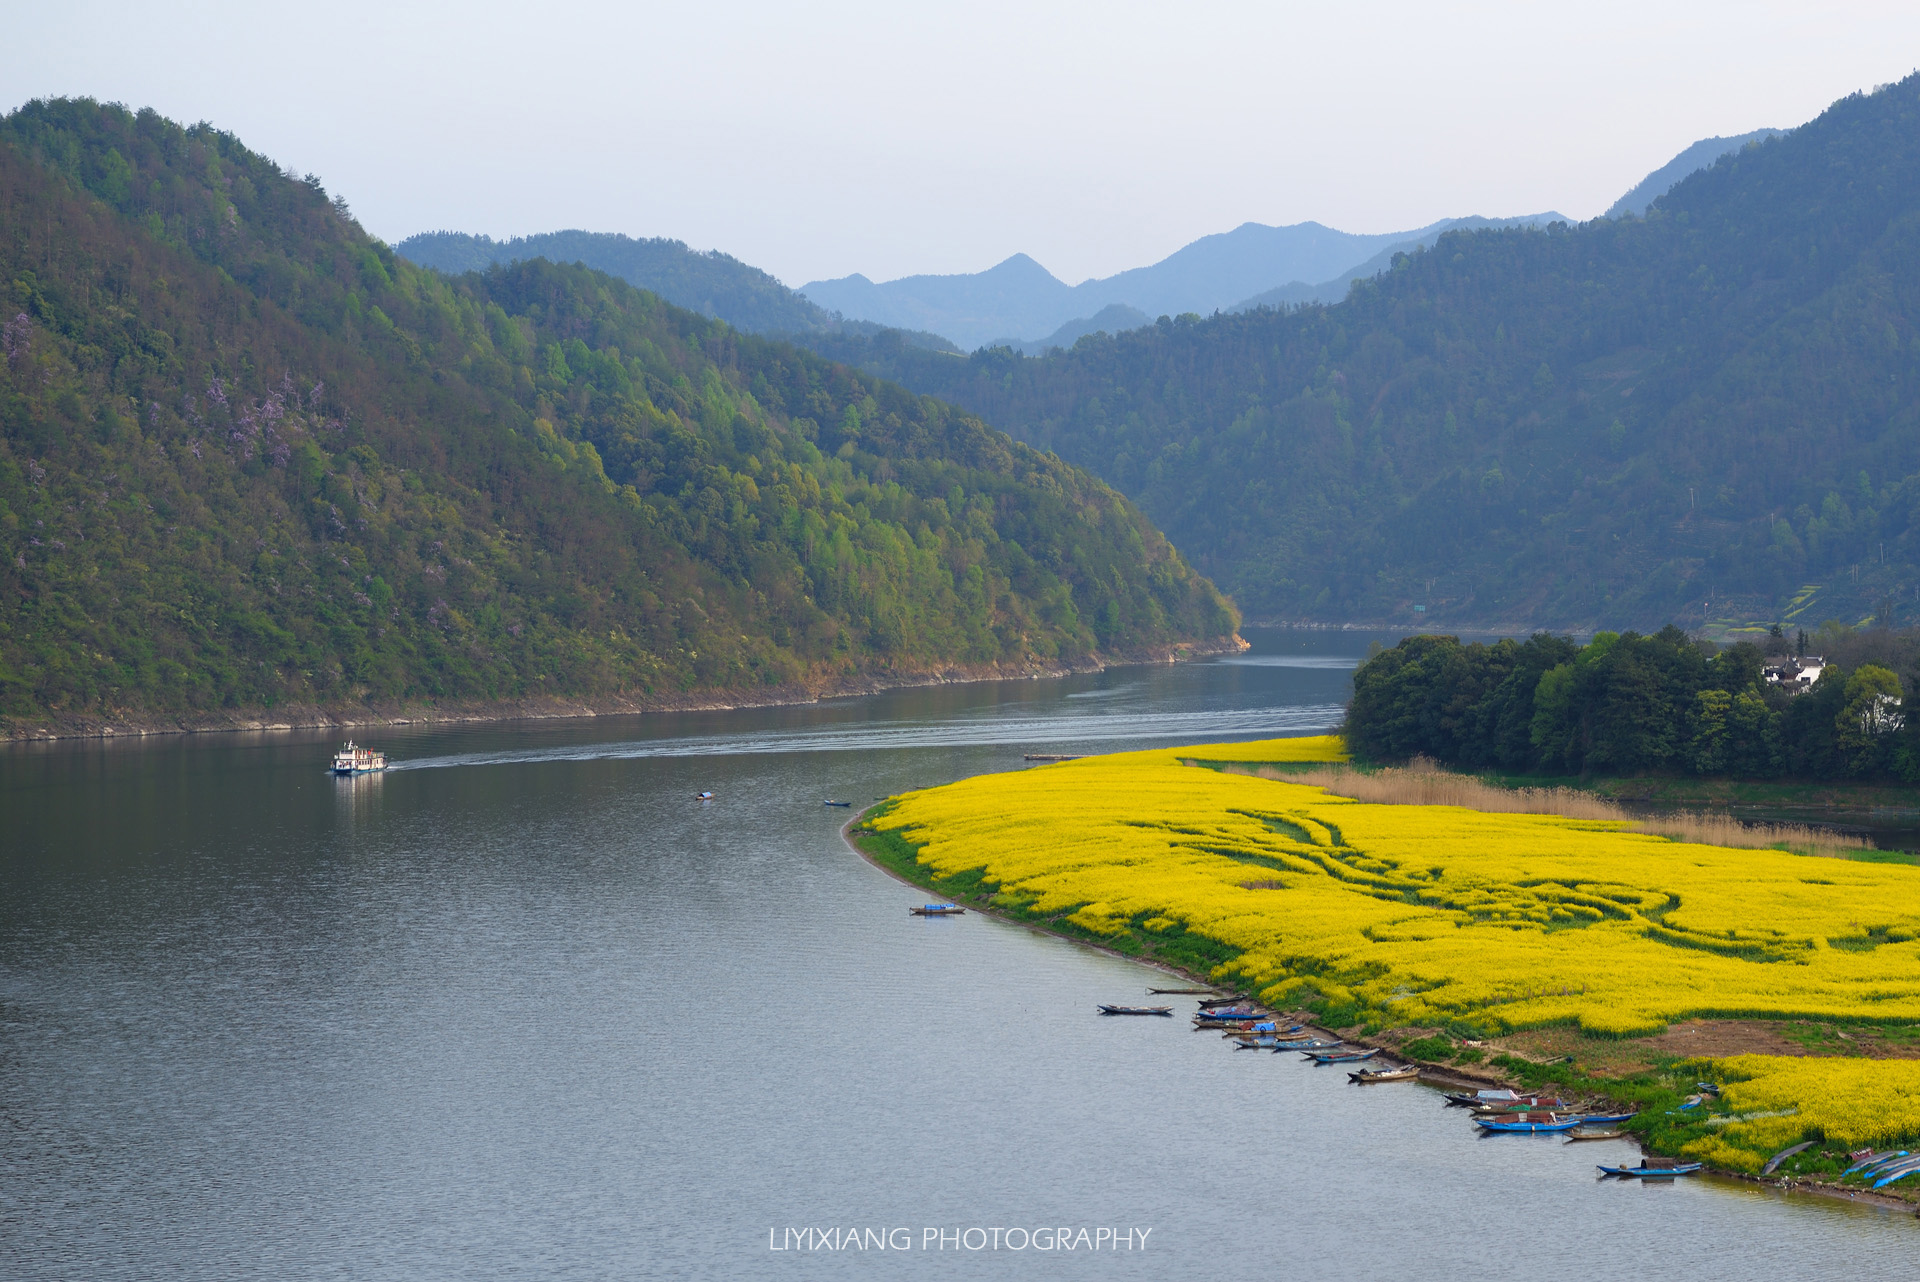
[1019,298]
[1692,160]
[1712,413]
[713,284]
[1335,289]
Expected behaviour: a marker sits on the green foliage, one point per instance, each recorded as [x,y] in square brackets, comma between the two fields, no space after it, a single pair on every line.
[1621,421]
[249,457]
[713,284]
[1430,1049]
[1623,704]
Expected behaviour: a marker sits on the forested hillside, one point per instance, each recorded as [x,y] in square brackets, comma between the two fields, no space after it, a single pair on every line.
[1706,415]
[713,284]
[248,458]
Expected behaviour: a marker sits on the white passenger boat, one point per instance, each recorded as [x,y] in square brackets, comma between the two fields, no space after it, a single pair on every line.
[355,760]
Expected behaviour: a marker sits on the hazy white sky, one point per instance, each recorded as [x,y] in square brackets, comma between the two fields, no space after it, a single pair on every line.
[890,138]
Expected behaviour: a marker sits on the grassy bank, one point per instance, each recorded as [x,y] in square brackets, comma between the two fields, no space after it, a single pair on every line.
[1536,949]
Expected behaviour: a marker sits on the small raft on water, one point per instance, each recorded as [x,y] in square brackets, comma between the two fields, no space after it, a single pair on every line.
[1135,1010]
[938,910]
[1574,1137]
[842,804]
[1342,1056]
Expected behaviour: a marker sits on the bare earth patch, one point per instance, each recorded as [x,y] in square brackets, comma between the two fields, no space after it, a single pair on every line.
[1710,1037]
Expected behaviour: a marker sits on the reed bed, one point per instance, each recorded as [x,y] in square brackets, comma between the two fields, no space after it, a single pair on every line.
[1422,783]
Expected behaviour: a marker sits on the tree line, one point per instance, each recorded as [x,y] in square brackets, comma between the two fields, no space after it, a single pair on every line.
[1626,703]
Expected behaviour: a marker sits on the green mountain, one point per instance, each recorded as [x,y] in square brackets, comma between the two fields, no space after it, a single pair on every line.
[713,284]
[1662,180]
[1708,415]
[251,459]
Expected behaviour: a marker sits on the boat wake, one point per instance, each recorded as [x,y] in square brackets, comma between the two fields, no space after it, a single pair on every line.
[1012,732]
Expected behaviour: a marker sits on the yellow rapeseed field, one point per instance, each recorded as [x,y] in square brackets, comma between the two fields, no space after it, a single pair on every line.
[1772,1101]
[1429,914]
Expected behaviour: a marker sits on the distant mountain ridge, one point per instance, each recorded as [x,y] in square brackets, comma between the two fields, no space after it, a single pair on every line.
[1335,289]
[1692,160]
[1018,299]
[714,284]
[1709,415]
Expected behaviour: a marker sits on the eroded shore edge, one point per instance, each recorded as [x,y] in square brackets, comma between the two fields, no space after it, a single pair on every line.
[1440,1075]
[557,707]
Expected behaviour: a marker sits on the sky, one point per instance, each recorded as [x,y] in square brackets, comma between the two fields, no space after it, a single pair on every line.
[819,139]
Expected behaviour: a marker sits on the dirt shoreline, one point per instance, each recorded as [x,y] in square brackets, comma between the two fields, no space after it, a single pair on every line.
[1441,1075]
[540,708]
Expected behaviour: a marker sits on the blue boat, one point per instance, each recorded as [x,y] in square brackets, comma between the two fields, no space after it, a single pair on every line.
[1341,1056]
[1872,1160]
[1596,1118]
[1896,1171]
[1529,1126]
[938,910]
[1645,1172]
[1308,1044]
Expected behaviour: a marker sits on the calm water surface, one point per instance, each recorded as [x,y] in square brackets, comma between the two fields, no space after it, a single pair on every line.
[524,1009]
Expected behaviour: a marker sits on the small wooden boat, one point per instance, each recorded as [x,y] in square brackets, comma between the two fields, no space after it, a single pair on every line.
[1654,1168]
[1405,1073]
[1575,1136]
[1136,1010]
[1216,1002]
[1342,1056]
[938,910]
[1183,992]
[1221,1014]
[1607,1119]
[1528,1124]
[842,804]
[703,796]
[1773,1163]
[1050,756]
[1478,1099]
[1310,1044]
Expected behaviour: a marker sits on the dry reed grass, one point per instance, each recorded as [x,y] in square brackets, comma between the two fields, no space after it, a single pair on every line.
[1422,783]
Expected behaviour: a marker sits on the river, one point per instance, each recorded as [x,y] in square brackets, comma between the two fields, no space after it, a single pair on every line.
[522,1008]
